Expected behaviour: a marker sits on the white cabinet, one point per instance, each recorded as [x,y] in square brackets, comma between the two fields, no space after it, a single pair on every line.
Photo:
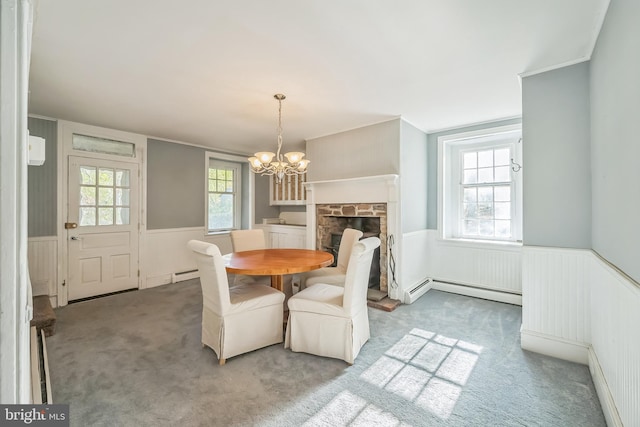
[285,236]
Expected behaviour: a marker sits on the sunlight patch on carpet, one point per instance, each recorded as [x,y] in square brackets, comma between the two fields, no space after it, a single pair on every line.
[427,369]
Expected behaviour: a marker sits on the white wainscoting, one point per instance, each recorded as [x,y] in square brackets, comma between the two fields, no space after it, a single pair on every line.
[555,294]
[42,254]
[476,265]
[411,268]
[167,253]
[579,308]
[615,340]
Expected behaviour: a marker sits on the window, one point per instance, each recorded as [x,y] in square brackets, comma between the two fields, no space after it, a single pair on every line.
[481,190]
[104,196]
[223,195]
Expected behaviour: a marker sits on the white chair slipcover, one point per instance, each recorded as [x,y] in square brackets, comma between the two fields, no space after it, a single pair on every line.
[239,319]
[334,275]
[249,240]
[333,321]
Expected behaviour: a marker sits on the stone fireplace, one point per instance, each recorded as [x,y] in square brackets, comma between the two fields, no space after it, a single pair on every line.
[370,202]
[370,218]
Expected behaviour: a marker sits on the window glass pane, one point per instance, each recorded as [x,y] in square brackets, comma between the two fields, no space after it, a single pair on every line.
[470,210]
[502,193]
[470,160]
[122,178]
[470,176]
[503,228]
[221,187]
[122,197]
[485,158]
[87,175]
[220,211]
[87,217]
[229,188]
[502,210]
[229,174]
[502,174]
[502,157]
[105,216]
[220,174]
[470,228]
[103,145]
[485,175]
[87,196]
[470,195]
[485,228]
[105,177]
[212,173]
[485,194]
[122,216]
[105,196]
[485,210]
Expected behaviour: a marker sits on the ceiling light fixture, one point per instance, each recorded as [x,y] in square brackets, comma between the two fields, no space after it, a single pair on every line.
[263,162]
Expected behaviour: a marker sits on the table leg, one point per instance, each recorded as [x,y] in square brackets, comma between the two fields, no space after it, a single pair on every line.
[277,282]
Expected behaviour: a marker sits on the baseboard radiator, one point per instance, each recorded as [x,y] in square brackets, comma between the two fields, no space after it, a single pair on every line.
[411,295]
[184,275]
[40,377]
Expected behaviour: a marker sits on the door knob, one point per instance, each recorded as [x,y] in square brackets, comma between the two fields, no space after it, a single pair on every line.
[69,225]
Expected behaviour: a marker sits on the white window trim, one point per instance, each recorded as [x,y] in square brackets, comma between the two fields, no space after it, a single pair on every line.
[214,156]
[445,177]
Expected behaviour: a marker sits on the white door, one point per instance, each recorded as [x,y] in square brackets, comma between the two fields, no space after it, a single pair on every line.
[102,227]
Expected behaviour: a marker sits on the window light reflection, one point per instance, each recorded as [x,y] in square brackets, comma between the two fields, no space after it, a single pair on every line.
[425,368]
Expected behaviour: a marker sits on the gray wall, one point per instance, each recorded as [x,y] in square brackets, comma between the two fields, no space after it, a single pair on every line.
[42,181]
[432,164]
[413,178]
[367,151]
[262,208]
[615,144]
[556,155]
[175,185]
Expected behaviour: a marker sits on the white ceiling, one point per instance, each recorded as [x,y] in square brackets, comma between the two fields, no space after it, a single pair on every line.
[204,72]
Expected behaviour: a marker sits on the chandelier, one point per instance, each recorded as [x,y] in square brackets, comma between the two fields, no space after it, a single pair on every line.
[268,163]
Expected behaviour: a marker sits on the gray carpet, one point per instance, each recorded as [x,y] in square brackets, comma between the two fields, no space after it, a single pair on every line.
[135,359]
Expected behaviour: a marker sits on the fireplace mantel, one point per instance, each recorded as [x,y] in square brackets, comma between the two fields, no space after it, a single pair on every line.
[368,189]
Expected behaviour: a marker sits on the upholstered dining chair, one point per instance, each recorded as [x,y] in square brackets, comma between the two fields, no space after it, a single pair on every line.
[334,275]
[239,319]
[333,321]
[249,240]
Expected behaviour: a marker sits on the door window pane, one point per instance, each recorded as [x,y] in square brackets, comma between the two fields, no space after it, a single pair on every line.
[87,175]
[87,216]
[105,216]
[104,196]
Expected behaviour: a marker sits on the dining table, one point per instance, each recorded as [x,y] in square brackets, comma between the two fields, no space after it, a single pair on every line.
[276,263]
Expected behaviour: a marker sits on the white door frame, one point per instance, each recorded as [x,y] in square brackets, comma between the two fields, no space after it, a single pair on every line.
[65,131]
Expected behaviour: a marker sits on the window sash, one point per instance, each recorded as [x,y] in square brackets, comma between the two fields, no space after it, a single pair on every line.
[493,173]
[223,191]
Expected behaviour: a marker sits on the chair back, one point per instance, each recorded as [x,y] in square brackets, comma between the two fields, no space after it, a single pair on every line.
[213,276]
[357,279]
[350,237]
[248,240]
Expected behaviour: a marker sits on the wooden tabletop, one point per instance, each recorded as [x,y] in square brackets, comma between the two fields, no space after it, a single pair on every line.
[276,262]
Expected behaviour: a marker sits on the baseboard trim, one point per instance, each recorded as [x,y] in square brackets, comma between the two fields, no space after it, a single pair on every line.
[470,291]
[554,347]
[607,402]
[153,281]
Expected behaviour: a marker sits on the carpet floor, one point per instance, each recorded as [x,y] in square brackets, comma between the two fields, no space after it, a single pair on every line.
[135,359]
